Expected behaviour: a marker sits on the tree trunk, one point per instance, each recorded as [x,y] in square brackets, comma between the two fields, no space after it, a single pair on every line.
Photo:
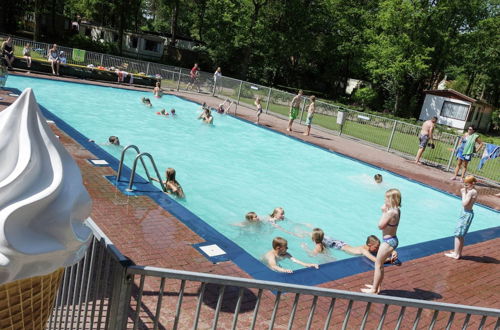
[248,50]
[37,33]
[173,25]
[53,30]
[472,77]
[121,27]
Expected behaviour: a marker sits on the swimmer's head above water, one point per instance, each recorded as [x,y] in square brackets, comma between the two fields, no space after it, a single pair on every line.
[114,140]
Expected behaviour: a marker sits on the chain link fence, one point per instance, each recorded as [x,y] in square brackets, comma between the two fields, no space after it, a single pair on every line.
[384,133]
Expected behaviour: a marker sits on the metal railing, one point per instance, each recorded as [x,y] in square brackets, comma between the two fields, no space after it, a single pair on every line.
[384,133]
[106,291]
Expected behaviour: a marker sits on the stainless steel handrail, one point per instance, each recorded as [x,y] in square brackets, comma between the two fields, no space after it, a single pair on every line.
[122,157]
[132,175]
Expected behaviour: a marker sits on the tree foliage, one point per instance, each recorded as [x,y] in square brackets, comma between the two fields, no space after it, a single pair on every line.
[401,47]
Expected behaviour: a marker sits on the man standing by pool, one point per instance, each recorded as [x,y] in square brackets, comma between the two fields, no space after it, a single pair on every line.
[425,136]
[294,109]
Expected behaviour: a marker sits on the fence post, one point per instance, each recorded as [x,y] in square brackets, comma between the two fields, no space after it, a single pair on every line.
[120,296]
[102,59]
[147,70]
[239,92]
[268,99]
[302,110]
[392,136]
[179,81]
[457,138]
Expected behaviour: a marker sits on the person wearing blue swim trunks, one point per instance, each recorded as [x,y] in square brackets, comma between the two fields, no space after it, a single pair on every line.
[469,196]
[389,222]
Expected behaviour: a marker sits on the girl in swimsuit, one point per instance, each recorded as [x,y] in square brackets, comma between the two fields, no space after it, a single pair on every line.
[171,185]
[389,224]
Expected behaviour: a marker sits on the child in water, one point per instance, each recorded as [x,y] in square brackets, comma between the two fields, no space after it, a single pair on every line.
[279,252]
[369,249]
[277,215]
[162,112]
[171,184]
[146,101]
[378,178]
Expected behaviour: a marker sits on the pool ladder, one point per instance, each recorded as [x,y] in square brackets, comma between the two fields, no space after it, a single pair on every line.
[139,156]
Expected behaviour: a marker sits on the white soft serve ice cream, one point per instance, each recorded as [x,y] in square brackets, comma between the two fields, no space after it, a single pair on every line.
[43,202]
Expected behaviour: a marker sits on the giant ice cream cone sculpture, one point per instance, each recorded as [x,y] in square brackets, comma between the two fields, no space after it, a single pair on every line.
[43,204]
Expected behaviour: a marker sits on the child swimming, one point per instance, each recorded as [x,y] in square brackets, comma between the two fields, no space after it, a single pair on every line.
[146,101]
[279,252]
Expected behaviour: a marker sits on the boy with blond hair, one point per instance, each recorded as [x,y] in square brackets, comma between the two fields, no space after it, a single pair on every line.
[279,252]
[469,197]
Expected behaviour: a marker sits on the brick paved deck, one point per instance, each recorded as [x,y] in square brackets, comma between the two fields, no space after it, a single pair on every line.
[149,235]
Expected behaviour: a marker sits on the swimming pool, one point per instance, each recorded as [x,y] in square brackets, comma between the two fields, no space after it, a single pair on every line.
[235,167]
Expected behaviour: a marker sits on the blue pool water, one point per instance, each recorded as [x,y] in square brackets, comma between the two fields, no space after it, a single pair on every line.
[235,167]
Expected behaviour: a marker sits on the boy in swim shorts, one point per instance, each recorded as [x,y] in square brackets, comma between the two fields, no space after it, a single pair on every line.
[469,197]
[294,109]
[278,253]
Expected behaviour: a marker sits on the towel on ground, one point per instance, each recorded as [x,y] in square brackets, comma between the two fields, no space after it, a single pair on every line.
[491,151]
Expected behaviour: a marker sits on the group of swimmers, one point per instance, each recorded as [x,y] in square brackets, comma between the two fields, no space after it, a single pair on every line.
[147,102]
[377,251]
[374,249]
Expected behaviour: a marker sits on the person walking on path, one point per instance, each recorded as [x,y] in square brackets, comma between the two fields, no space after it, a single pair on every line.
[310,114]
[294,109]
[389,222]
[469,196]
[193,75]
[466,150]
[425,136]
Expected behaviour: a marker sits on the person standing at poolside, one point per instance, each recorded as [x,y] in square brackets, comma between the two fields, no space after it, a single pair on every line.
[294,109]
[217,78]
[389,224]
[193,74]
[310,113]
[259,108]
[469,197]
[425,136]
[466,150]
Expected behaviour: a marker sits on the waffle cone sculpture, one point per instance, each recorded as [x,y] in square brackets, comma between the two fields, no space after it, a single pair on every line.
[43,205]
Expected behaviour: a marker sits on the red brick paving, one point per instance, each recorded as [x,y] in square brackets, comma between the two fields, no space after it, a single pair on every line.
[149,235]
